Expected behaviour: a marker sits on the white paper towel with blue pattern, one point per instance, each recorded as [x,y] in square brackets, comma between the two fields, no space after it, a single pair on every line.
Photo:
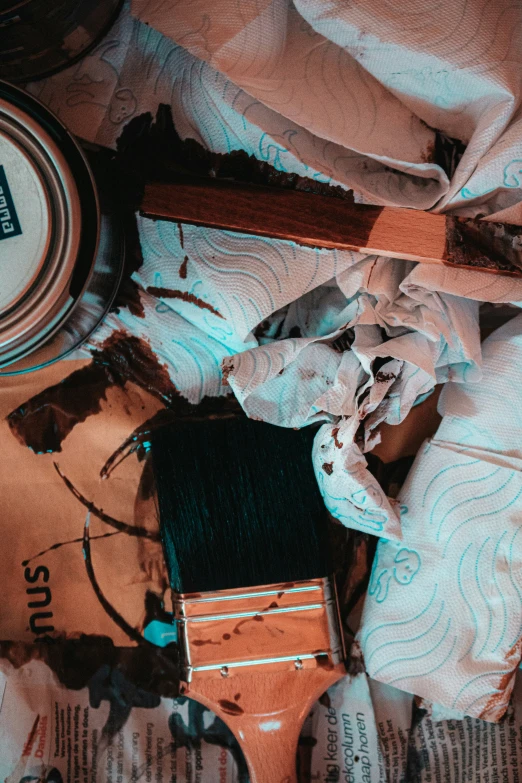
[443,614]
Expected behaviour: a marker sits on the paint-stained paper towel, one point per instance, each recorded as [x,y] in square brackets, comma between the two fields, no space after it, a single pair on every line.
[297,332]
[443,613]
[346,95]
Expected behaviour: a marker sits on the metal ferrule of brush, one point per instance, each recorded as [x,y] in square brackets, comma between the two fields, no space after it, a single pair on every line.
[288,626]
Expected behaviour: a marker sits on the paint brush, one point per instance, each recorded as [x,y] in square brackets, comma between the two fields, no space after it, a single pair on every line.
[321,221]
[244,530]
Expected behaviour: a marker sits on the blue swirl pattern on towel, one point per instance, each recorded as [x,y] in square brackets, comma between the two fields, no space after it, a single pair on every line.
[463,651]
[464,516]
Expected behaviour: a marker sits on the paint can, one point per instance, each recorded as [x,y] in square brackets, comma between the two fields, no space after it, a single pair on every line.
[61,257]
[39,37]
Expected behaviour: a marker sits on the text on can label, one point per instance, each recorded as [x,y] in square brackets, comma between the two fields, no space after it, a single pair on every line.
[9,223]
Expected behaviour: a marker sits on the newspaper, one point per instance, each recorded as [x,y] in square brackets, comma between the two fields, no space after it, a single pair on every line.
[48,733]
[360,731]
[418,749]
[345,738]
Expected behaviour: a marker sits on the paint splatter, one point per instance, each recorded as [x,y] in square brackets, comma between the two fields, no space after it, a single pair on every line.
[185,296]
[45,420]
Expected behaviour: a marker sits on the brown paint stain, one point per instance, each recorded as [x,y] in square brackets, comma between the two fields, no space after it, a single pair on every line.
[382,377]
[75,660]
[355,664]
[225,372]
[230,707]
[185,296]
[237,697]
[135,443]
[61,544]
[202,642]
[328,468]
[118,524]
[132,359]
[147,483]
[183,268]
[492,247]
[257,618]
[496,705]
[240,166]
[129,297]
[323,661]
[45,420]
[429,155]
[181,240]
[226,636]
[335,432]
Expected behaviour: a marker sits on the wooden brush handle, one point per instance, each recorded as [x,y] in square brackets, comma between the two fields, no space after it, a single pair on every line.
[265,712]
[321,221]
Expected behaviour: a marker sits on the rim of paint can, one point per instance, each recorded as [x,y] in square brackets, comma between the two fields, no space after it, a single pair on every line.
[49,224]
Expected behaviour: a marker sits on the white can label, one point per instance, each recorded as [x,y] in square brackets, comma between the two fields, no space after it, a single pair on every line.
[9,223]
[25,223]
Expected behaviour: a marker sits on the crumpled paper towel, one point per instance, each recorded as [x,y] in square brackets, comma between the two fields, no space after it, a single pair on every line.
[228,284]
[454,65]
[136,68]
[486,418]
[314,335]
[443,614]
[300,331]
[343,93]
[286,67]
[357,74]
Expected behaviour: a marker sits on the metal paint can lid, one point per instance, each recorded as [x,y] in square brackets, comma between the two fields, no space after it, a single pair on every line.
[40,231]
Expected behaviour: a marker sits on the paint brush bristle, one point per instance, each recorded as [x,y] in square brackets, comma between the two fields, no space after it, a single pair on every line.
[239,504]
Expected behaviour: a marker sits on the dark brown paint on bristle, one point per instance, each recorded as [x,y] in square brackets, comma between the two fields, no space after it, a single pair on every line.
[239,505]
